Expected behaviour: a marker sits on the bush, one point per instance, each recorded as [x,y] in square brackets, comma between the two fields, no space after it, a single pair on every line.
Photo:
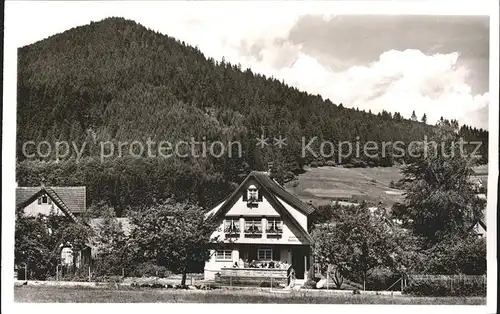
[149,270]
[313,164]
[330,163]
[320,163]
[309,284]
[267,284]
[445,288]
[380,279]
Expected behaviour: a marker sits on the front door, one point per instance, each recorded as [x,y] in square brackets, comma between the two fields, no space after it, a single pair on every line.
[298,262]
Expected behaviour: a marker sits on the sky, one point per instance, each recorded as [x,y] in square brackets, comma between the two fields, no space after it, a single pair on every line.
[434,64]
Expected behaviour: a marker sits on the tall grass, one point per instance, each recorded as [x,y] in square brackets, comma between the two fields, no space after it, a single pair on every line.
[89,295]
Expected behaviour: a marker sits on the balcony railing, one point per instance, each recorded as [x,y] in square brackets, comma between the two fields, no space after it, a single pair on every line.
[253,231]
[232,232]
[274,232]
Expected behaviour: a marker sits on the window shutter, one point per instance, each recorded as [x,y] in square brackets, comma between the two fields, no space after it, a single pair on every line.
[259,196]
[39,201]
[245,196]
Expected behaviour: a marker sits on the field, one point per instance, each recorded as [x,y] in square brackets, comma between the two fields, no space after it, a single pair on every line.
[322,185]
[92,295]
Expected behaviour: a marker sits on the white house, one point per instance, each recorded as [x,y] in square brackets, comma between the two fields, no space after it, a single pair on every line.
[62,201]
[260,223]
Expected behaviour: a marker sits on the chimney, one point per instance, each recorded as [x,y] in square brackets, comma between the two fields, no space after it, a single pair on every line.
[42,182]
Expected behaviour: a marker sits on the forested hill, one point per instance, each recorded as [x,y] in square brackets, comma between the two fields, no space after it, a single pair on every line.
[115,80]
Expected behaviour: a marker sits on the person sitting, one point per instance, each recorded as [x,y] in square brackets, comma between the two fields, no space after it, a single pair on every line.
[235,265]
[271,264]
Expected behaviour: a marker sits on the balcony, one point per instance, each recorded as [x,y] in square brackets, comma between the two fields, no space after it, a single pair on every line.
[274,232]
[253,231]
[232,232]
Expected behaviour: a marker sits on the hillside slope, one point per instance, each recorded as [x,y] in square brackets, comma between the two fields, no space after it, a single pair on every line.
[115,80]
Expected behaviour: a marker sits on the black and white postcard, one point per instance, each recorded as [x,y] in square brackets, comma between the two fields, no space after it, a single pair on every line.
[292,153]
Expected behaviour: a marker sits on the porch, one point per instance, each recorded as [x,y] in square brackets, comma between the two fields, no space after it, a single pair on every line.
[259,261]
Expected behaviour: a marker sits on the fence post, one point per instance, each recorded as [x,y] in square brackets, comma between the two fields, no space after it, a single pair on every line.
[230,280]
[89,274]
[271,283]
[26,271]
[327,276]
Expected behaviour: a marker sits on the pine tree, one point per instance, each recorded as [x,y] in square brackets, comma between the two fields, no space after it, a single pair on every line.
[424,119]
[413,116]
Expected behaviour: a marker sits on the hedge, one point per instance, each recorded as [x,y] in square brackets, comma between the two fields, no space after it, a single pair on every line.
[443,287]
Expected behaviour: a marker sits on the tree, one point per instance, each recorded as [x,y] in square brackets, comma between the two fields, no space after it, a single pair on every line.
[460,254]
[413,116]
[441,199]
[173,235]
[114,250]
[354,242]
[424,118]
[38,242]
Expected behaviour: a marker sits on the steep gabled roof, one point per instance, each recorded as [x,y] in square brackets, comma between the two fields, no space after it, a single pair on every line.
[73,197]
[56,199]
[271,189]
[265,180]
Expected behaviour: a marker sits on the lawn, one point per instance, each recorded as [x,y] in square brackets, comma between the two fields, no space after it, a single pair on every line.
[41,294]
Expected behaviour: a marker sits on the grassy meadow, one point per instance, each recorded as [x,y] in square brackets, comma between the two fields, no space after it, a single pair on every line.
[40,294]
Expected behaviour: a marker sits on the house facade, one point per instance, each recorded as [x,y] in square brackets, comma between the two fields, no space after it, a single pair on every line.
[260,225]
[69,202]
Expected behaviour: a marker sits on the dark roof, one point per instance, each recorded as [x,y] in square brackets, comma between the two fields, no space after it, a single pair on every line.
[73,197]
[264,179]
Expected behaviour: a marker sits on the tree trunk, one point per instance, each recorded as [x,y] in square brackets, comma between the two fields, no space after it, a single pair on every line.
[184,275]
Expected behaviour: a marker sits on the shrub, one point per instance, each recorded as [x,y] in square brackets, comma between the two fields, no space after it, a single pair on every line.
[267,284]
[381,279]
[443,287]
[313,164]
[150,270]
[309,284]
[320,163]
[330,163]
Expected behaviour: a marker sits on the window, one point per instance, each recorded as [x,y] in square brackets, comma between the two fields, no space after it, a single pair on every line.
[67,256]
[264,254]
[252,194]
[274,226]
[232,225]
[223,255]
[253,226]
[44,200]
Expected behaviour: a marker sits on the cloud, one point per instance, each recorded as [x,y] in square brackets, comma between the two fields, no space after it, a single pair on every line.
[431,81]
[436,84]
[399,81]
